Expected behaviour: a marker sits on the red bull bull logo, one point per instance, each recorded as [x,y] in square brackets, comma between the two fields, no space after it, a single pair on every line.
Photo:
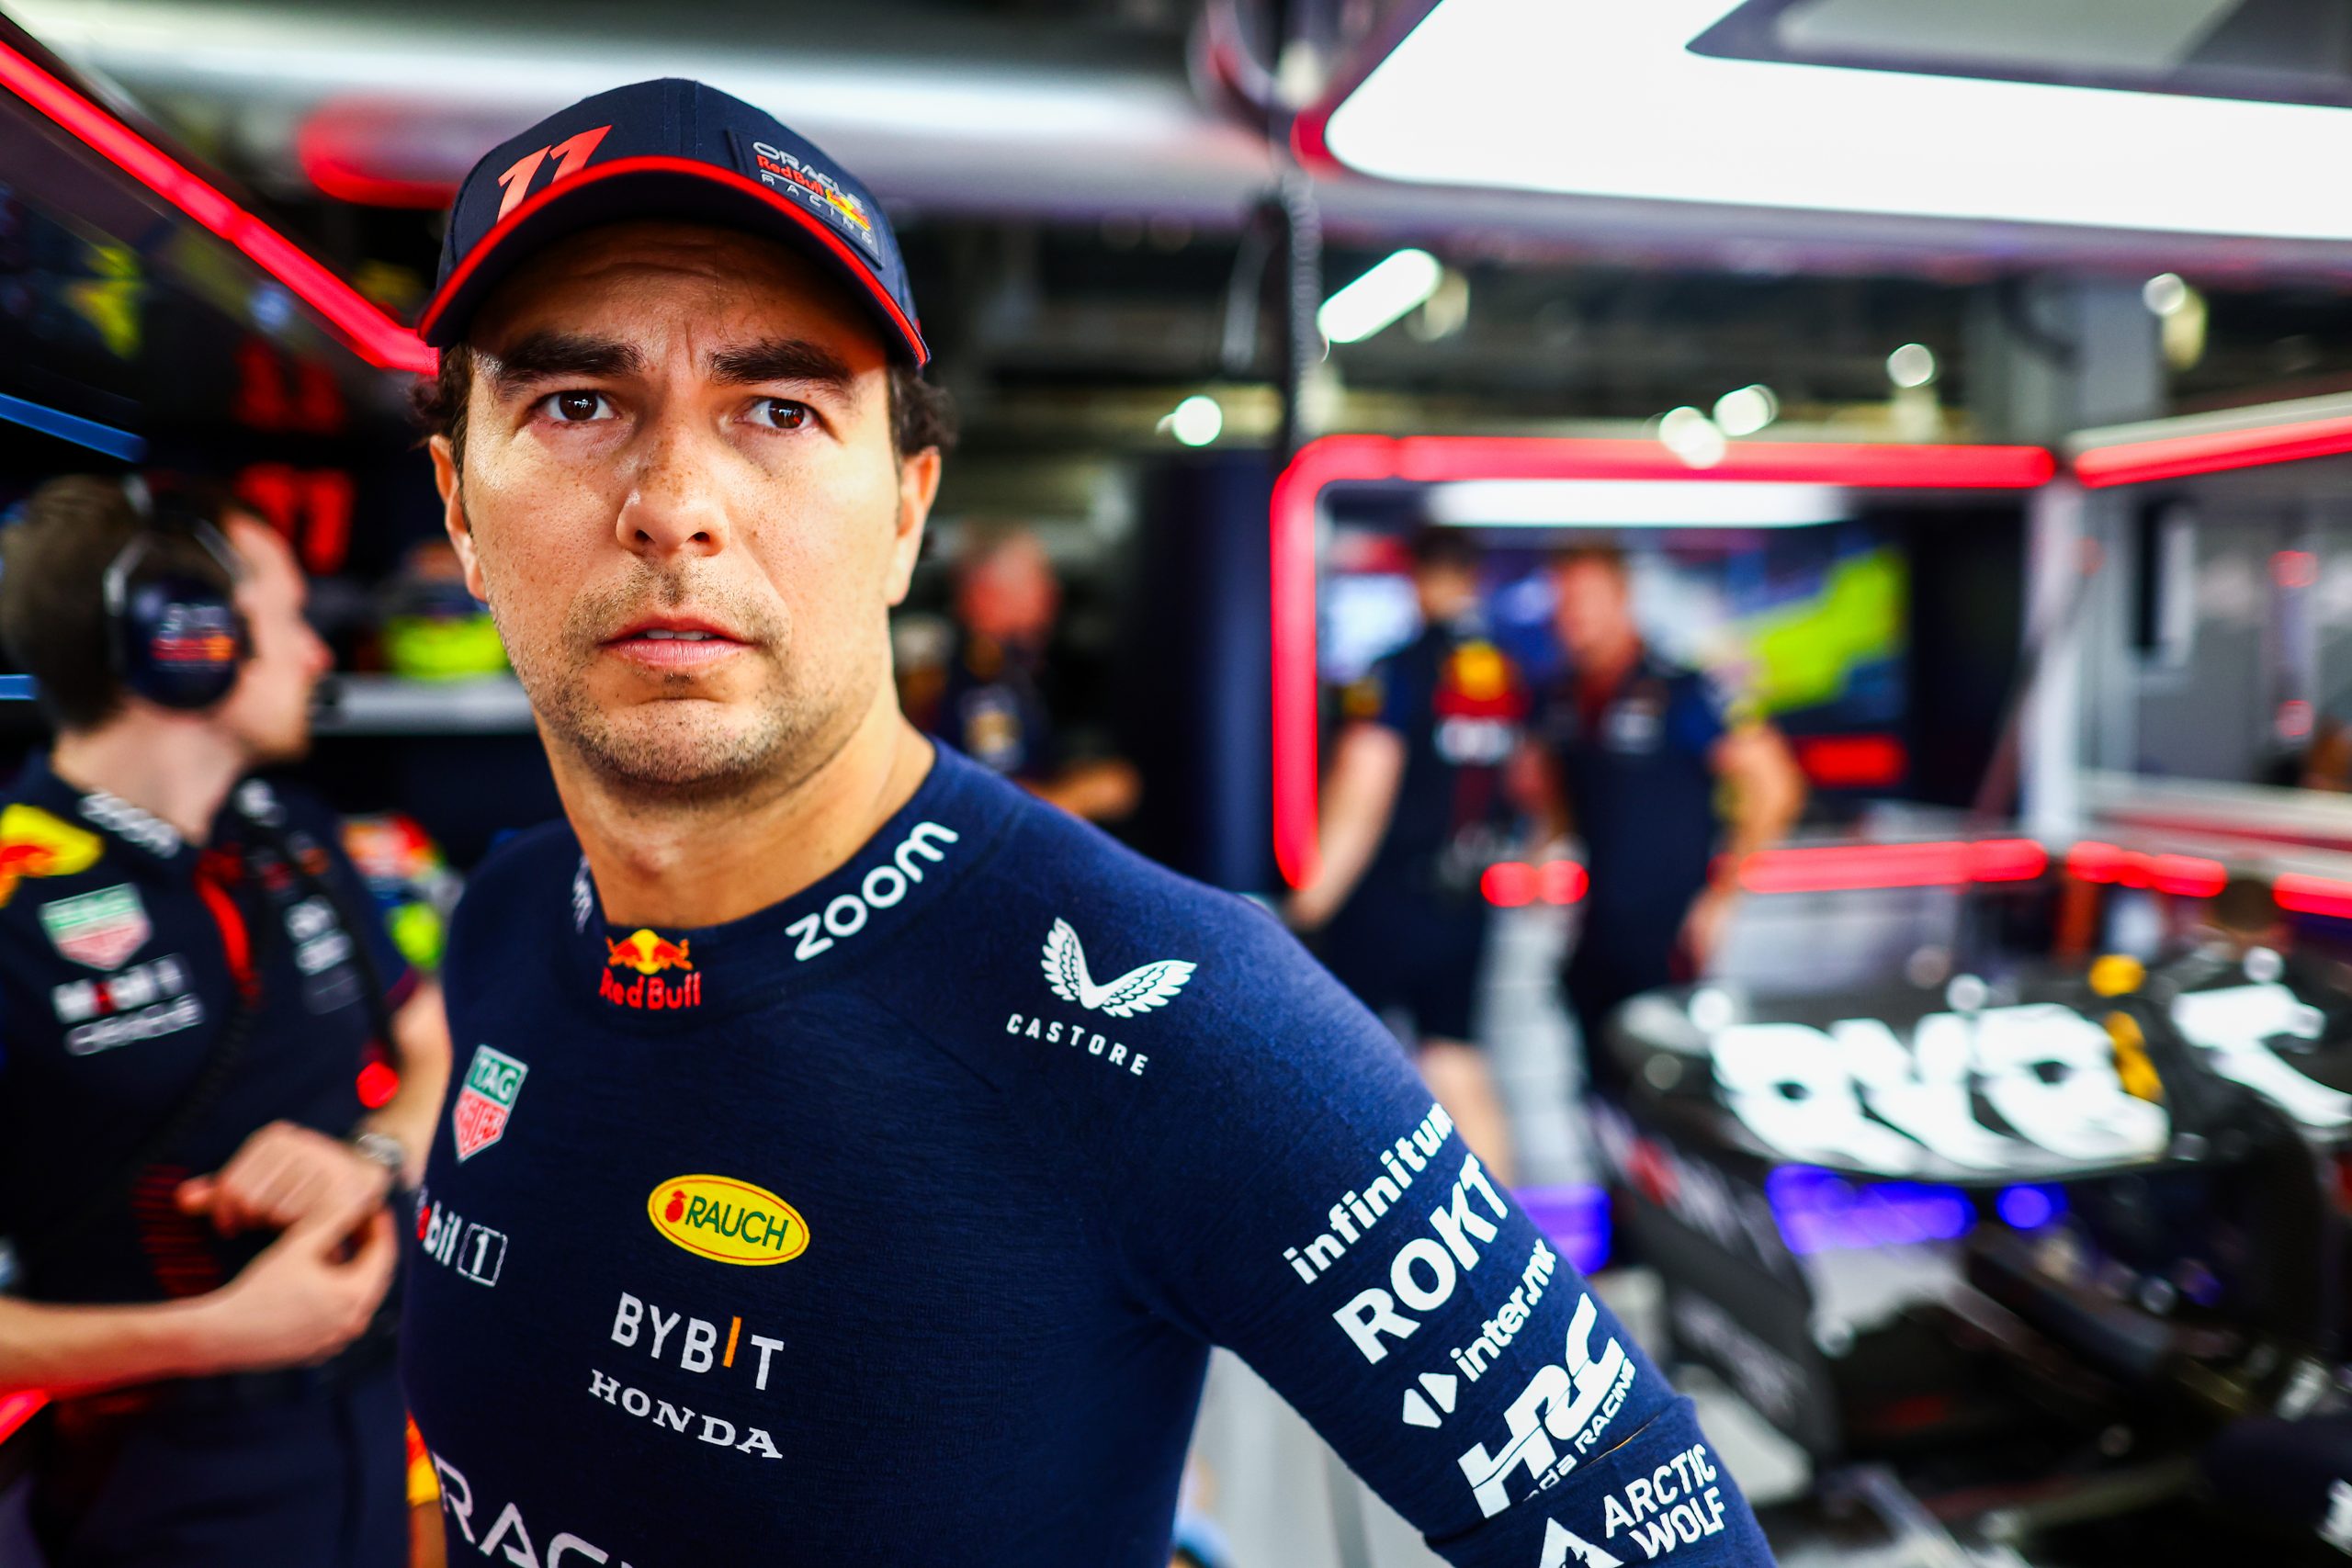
[34,843]
[649,954]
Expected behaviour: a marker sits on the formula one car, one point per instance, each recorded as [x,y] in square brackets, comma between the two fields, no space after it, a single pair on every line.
[2051,1258]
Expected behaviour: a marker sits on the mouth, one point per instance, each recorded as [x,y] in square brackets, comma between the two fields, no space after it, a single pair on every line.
[668,643]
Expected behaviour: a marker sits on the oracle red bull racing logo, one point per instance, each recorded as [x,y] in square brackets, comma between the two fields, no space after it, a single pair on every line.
[486,1100]
[650,956]
[34,843]
[728,1220]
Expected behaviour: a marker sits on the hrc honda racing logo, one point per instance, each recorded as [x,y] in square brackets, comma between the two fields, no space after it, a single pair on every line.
[649,954]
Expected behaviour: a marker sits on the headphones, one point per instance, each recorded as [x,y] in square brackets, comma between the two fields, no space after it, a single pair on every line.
[173,634]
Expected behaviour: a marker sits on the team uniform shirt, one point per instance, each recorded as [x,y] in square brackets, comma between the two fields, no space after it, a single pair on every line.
[893,1223]
[121,946]
[1459,703]
[1412,932]
[991,706]
[1637,767]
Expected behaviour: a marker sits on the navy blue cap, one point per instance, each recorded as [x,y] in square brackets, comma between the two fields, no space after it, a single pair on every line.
[666,149]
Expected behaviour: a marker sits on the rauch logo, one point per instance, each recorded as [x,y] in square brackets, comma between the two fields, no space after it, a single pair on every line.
[729,1221]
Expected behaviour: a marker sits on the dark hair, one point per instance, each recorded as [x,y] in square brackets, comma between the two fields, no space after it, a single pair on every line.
[1443,548]
[1607,557]
[53,588]
[921,414]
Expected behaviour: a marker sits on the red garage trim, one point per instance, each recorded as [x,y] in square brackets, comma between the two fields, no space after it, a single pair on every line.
[372,334]
[2180,456]
[1336,459]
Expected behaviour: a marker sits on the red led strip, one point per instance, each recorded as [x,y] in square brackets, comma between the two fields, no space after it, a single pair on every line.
[372,334]
[1335,460]
[1509,884]
[2191,876]
[2313,894]
[2178,457]
[1839,868]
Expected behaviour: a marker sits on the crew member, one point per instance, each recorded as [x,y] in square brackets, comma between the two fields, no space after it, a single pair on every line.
[990,697]
[192,986]
[1668,790]
[1414,811]
[875,1150]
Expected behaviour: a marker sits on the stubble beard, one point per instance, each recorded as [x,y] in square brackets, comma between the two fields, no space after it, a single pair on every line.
[685,751]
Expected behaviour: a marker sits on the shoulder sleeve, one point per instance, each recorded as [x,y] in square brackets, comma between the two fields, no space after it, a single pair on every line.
[1387,694]
[1293,1192]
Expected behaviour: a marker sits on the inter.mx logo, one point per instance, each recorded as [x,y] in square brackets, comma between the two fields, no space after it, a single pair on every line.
[485,1102]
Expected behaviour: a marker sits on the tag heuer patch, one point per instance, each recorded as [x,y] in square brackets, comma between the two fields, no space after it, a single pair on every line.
[486,1100]
[101,929]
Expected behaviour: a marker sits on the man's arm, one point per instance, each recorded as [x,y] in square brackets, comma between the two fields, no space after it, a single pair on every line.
[1768,794]
[1297,1195]
[298,1302]
[1359,795]
[285,1172]
[420,1047]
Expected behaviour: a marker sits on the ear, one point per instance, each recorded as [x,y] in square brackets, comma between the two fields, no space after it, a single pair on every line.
[454,521]
[918,488]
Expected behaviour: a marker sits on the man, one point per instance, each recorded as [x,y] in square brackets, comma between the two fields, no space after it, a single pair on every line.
[872,1151]
[1640,751]
[989,702]
[1414,811]
[186,963]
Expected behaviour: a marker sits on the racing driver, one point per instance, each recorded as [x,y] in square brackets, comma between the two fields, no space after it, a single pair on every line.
[851,1160]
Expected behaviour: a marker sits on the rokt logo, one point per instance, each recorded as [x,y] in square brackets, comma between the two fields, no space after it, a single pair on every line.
[649,953]
[728,1220]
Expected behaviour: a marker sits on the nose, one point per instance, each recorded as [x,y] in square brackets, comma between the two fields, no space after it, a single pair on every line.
[674,507]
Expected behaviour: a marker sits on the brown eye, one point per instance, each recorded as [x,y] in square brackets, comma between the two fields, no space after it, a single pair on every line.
[574,407]
[780,414]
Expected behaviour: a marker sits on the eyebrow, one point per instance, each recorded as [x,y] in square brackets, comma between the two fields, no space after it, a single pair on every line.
[781,360]
[542,357]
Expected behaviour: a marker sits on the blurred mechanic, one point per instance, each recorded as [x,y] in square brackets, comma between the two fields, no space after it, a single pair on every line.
[193,981]
[1414,811]
[989,700]
[874,1151]
[1668,790]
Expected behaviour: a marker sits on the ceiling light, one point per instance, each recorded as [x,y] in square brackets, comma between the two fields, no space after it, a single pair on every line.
[1636,504]
[2165,293]
[1196,422]
[1913,364]
[1747,410]
[1693,437]
[1394,287]
[1605,98]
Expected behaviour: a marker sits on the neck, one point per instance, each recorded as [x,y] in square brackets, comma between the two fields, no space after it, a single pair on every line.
[178,769]
[658,862]
[1607,663]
